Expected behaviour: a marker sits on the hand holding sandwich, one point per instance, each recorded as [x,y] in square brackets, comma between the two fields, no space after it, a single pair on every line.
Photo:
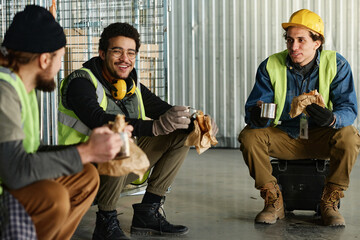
[323,117]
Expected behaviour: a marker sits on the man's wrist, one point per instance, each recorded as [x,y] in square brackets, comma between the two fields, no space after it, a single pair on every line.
[83,150]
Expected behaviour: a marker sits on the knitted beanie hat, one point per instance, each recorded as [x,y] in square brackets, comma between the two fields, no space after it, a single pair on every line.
[34,30]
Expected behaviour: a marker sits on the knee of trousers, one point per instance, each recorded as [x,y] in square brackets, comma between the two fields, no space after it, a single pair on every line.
[55,200]
[90,177]
[176,139]
[347,139]
[179,135]
[250,138]
[85,186]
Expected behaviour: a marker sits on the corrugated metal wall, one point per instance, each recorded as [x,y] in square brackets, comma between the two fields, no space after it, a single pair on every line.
[215,47]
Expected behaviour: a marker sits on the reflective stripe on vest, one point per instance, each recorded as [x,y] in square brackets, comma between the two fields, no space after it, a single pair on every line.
[68,117]
[74,123]
[140,105]
[277,70]
[70,128]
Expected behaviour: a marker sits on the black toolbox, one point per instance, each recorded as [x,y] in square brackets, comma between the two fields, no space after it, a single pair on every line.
[301,182]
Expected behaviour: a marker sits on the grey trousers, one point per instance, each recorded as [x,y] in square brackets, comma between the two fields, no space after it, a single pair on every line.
[166,154]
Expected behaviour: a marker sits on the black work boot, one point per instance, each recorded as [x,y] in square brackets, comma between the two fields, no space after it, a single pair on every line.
[108,227]
[147,220]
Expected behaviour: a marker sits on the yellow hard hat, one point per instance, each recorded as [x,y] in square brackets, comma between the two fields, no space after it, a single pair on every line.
[306,18]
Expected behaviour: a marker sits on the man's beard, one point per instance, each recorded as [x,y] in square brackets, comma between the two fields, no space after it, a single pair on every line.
[113,73]
[45,84]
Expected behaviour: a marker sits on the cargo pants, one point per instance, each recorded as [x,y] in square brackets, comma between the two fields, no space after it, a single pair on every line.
[166,154]
[341,146]
[56,206]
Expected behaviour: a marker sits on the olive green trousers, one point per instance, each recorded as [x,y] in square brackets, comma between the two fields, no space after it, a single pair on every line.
[166,154]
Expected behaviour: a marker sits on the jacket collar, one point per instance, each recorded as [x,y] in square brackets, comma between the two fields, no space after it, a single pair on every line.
[305,69]
[95,66]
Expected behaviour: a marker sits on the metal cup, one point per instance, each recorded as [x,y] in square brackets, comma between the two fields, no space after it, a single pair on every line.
[268,110]
[125,148]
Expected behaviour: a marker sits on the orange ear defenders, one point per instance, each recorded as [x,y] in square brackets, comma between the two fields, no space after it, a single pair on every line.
[123,88]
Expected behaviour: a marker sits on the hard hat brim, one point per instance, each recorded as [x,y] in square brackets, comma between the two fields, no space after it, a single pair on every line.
[285,26]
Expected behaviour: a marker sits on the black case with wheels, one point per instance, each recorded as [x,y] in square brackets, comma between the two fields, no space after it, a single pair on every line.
[301,182]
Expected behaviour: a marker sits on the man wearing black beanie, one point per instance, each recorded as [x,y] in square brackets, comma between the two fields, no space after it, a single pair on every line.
[55,184]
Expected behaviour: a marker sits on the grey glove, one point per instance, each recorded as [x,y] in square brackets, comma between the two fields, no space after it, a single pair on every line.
[177,117]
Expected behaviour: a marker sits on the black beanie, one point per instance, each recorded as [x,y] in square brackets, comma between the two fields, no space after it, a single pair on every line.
[34,30]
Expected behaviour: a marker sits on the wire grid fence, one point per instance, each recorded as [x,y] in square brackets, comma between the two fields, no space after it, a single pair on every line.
[83,22]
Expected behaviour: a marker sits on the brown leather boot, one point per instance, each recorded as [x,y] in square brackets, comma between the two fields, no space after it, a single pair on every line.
[274,205]
[329,206]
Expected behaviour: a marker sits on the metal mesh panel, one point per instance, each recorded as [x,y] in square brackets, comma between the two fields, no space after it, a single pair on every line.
[83,22]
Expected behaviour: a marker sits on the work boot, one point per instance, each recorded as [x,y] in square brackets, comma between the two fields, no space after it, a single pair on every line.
[108,227]
[147,220]
[329,206]
[274,205]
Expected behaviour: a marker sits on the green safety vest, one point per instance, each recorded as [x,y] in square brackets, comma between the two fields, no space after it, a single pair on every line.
[70,129]
[29,111]
[277,70]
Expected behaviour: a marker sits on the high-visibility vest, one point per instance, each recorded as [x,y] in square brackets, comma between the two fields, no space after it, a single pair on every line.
[277,70]
[29,111]
[71,129]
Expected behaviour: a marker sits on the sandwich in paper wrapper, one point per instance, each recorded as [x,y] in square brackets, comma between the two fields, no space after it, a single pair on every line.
[130,158]
[299,103]
[201,137]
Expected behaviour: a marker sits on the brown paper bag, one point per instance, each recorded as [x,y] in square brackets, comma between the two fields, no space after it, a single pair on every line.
[135,161]
[202,140]
[299,103]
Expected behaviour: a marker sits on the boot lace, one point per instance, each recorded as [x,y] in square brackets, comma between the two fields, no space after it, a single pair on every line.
[333,200]
[162,217]
[270,197]
[113,225]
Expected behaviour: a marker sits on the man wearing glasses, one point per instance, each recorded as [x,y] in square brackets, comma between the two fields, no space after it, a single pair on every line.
[93,96]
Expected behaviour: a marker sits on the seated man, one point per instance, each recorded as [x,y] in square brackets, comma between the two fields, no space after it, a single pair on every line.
[107,85]
[303,67]
[55,184]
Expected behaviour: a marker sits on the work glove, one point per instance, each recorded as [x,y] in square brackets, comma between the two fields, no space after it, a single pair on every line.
[177,117]
[255,117]
[322,117]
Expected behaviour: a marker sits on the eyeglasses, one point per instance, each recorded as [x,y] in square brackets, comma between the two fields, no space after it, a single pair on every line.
[118,52]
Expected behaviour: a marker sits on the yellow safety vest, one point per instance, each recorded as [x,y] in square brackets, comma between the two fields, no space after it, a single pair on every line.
[29,111]
[71,129]
[277,70]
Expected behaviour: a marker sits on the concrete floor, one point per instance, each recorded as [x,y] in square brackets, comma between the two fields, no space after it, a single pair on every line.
[215,197]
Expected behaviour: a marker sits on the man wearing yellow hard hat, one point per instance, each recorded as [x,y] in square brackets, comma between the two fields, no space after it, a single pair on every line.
[317,132]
